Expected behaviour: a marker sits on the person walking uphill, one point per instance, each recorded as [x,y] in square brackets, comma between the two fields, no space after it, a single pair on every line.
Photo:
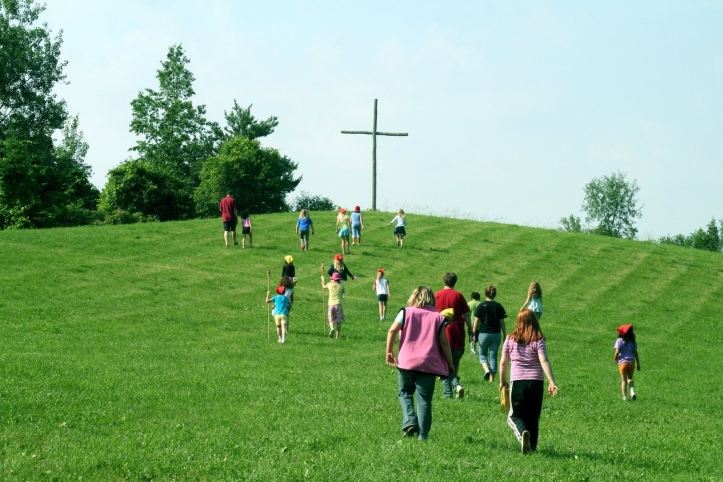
[424,354]
[229,218]
[335,310]
[527,350]
[339,266]
[448,297]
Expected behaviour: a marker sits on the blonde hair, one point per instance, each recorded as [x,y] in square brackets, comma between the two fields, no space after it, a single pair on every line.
[421,296]
[303,214]
[401,213]
[338,265]
[534,291]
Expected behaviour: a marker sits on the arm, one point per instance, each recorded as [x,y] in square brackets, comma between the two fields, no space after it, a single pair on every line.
[374,285]
[391,339]
[389,292]
[268,300]
[503,328]
[525,303]
[469,325]
[337,224]
[504,364]
[349,272]
[637,359]
[616,356]
[475,326]
[551,387]
[446,349]
[361,220]
[323,286]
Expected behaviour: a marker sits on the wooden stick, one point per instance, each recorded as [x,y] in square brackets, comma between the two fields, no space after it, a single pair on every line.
[323,308]
[268,306]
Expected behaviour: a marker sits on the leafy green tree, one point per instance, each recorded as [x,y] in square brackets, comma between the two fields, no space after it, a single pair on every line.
[259,177]
[708,239]
[571,224]
[611,203]
[30,67]
[142,189]
[242,123]
[174,135]
[312,203]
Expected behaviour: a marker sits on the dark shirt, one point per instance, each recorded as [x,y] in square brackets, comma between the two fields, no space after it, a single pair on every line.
[345,273]
[489,314]
[288,271]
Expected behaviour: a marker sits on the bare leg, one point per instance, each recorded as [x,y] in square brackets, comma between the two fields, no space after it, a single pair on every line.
[401,241]
[251,243]
[225,238]
[233,233]
[624,385]
[338,330]
[381,311]
[384,309]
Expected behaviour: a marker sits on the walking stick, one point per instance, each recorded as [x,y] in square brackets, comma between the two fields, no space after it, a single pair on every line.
[268,306]
[323,308]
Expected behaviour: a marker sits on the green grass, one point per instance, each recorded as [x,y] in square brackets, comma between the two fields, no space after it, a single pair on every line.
[140,353]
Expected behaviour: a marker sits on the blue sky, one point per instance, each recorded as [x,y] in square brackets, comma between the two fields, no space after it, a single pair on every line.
[511,107]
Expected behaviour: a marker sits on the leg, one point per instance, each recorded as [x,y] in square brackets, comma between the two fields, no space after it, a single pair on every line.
[225,238]
[338,330]
[494,346]
[425,394]
[284,331]
[384,309]
[407,387]
[233,235]
[456,357]
[484,340]
[381,311]
[624,385]
[251,243]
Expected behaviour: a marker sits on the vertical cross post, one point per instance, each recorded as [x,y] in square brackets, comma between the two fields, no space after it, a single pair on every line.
[374,135]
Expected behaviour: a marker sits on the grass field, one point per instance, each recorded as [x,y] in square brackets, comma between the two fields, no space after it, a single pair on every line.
[140,352]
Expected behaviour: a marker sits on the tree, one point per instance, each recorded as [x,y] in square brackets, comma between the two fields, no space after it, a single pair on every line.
[312,203]
[571,224]
[242,123]
[30,68]
[611,203]
[175,135]
[708,239]
[259,177]
[143,189]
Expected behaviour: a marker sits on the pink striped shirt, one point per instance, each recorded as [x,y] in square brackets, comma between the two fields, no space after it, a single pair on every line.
[525,359]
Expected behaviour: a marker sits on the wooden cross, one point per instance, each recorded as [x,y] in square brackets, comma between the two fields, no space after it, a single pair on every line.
[374,135]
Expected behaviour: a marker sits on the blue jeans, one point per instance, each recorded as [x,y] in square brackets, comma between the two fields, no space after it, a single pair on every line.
[488,342]
[356,230]
[451,382]
[411,381]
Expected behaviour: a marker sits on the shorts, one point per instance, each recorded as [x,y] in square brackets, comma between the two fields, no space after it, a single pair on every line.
[229,225]
[356,230]
[343,232]
[336,314]
[281,319]
[383,298]
[400,231]
[627,368]
[246,230]
[303,234]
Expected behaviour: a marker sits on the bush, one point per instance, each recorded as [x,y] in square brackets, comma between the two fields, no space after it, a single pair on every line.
[312,203]
[571,224]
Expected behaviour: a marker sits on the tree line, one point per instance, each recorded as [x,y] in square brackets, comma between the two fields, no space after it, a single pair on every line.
[611,208]
[181,164]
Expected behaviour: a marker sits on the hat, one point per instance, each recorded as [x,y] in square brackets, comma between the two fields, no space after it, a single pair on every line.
[288,259]
[342,210]
[338,257]
[335,276]
[280,290]
[447,313]
[380,270]
[625,329]
[356,209]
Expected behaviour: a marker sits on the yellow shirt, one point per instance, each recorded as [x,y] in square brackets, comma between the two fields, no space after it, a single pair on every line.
[335,291]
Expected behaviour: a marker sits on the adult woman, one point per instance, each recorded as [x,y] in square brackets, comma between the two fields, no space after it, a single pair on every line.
[343,229]
[424,354]
[527,350]
[489,321]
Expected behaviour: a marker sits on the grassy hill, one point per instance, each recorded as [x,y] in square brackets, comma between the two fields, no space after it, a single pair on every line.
[140,352]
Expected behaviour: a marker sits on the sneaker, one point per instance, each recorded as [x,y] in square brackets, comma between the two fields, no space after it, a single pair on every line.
[525,442]
[283,340]
[633,397]
[459,392]
[279,341]
[625,399]
[471,347]
[410,431]
[331,333]
[488,376]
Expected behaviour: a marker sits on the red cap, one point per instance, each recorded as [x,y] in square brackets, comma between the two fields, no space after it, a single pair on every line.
[338,257]
[280,290]
[342,210]
[356,209]
[624,329]
[380,270]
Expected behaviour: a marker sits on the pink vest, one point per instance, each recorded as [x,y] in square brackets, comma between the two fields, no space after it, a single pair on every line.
[419,342]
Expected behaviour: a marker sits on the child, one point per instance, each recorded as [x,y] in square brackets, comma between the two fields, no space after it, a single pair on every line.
[245,228]
[289,271]
[626,356]
[335,312]
[472,308]
[342,227]
[302,228]
[534,299]
[489,322]
[357,224]
[339,266]
[381,285]
[287,289]
[281,312]
[400,230]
